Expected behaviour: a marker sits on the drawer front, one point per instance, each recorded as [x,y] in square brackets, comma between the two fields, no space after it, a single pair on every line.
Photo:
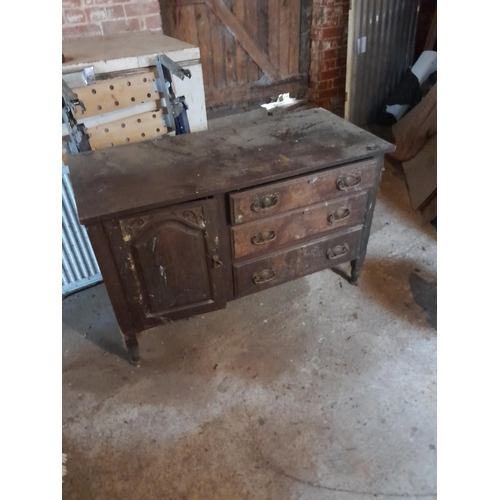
[280,267]
[262,236]
[279,197]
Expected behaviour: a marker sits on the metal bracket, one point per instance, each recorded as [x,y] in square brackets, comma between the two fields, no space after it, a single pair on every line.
[80,78]
[176,116]
[79,140]
[173,67]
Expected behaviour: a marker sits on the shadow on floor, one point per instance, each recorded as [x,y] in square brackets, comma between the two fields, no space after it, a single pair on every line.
[402,288]
[425,295]
[90,314]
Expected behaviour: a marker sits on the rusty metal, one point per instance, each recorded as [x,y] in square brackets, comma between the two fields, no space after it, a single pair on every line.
[340,213]
[347,181]
[338,251]
[263,237]
[264,276]
[214,251]
[265,202]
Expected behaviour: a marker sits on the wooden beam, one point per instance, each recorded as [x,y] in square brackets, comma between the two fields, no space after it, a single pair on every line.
[242,37]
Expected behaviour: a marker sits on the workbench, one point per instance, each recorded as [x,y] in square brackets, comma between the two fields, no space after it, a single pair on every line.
[182,226]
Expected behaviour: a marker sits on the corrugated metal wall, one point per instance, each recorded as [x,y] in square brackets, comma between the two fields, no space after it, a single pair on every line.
[381,44]
[79,265]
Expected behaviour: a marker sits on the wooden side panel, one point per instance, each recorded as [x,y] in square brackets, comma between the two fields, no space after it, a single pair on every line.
[281,267]
[111,276]
[279,197]
[255,238]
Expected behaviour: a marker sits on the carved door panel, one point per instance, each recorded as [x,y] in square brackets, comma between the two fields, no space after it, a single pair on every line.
[173,268]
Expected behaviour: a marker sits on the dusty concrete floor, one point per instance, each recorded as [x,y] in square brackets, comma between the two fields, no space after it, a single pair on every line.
[312,390]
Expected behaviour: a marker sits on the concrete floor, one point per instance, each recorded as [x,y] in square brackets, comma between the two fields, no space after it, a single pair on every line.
[312,390]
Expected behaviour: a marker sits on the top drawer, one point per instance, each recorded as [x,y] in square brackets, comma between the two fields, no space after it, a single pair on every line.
[302,191]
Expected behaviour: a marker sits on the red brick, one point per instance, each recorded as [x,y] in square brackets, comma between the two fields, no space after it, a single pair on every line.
[326,75]
[327,33]
[120,26]
[88,2]
[330,54]
[325,85]
[341,62]
[323,94]
[115,12]
[96,14]
[75,16]
[153,22]
[110,1]
[339,81]
[142,9]
[330,64]
[325,103]
[70,3]
[81,30]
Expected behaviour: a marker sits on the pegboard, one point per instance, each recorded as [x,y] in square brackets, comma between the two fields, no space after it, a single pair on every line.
[116,93]
[132,129]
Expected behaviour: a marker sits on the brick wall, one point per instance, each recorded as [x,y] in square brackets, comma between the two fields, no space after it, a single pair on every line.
[105,17]
[327,71]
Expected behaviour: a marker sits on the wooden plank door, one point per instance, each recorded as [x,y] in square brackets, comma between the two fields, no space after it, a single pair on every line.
[172,261]
[251,50]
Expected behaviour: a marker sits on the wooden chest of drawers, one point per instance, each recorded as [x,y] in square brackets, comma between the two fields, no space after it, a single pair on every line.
[180,226]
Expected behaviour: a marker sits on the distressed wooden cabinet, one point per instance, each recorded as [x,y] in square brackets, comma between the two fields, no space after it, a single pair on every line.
[180,226]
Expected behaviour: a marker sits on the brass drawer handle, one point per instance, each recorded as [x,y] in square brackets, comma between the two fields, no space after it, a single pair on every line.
[340,213]
[263,237]
[264,276]
[265,202]
[349,180]
[338,251]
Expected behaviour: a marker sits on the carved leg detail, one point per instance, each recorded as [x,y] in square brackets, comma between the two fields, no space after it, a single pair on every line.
[132,348]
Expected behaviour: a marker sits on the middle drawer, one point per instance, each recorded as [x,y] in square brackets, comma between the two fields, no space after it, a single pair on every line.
[262,236]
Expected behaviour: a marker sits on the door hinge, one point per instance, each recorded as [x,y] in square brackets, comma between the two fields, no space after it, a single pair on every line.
[350,4]
[346,96]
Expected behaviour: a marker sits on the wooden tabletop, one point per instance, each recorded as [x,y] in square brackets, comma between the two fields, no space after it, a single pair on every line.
[145,175]
[123,51]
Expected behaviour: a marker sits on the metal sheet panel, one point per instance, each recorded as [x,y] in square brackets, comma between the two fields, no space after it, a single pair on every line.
[381,45]
[79,265]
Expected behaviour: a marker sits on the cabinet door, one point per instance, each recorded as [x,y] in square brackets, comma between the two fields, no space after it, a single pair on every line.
[169,262]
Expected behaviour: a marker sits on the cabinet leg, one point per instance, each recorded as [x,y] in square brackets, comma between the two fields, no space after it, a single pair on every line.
[132,348]
[355,268]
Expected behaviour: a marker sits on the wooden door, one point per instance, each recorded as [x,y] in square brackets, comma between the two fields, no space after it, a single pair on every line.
[172,261]
[251,50]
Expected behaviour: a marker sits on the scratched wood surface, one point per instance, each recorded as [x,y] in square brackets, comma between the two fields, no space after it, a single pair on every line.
[123,179]
[301,191]
[241,43]
[262,236]
[279,267]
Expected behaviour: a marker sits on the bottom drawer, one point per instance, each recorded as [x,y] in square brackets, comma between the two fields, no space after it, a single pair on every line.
[280,267]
